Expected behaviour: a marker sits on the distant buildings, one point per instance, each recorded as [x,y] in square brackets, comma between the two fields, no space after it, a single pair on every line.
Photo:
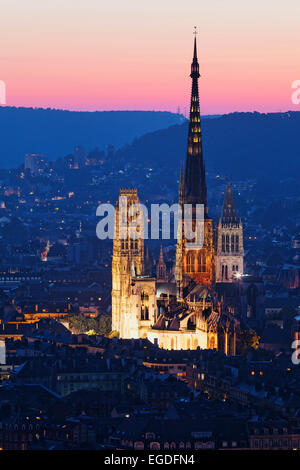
[36,163]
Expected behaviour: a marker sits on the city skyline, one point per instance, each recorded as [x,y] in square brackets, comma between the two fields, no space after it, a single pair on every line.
[150,264]
[125,57]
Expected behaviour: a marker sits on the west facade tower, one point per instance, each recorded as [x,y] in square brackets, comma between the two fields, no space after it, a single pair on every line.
[133,293]
[194,265]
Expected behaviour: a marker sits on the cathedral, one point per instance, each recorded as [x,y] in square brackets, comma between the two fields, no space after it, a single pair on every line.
[198,304]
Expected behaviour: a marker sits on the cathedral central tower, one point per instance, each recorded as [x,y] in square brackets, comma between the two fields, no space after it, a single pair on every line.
[194,265]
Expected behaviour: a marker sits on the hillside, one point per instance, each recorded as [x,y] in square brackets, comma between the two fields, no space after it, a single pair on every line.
[238,144]
[55,132]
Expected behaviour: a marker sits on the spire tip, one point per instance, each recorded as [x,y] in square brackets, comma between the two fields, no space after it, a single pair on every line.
[195,42]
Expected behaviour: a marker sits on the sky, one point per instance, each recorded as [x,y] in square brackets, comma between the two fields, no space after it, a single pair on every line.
[136,54]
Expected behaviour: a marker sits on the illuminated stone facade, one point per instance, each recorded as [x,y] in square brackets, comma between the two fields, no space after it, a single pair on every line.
[133,294]
[182,312]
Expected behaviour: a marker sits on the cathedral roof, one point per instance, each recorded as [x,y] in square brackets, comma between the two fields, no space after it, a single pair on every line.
[213,319]
[202,291]
[175,324]
[160,324]
[181,316]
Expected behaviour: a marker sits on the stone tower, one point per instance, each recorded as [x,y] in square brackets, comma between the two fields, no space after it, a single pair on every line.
[161,268]
[194,265]
[229,260]
[133,293]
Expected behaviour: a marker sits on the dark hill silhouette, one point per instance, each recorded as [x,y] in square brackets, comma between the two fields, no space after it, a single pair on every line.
[238,144]
[55,133]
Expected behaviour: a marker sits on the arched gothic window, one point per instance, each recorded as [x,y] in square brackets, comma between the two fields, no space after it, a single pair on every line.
[144,312]
[237,243]
[232,243]
[190,261]
[201,262]
[223,243]
[227,243]
[144,296]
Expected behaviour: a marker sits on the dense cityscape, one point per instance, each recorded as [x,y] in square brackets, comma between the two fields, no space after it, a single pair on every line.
[72,380]
[149,230]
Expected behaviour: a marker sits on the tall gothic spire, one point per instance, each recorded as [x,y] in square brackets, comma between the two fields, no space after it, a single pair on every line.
[195,183]
[229,215]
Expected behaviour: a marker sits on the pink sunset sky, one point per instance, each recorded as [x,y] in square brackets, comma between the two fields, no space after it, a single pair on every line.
[136,54]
